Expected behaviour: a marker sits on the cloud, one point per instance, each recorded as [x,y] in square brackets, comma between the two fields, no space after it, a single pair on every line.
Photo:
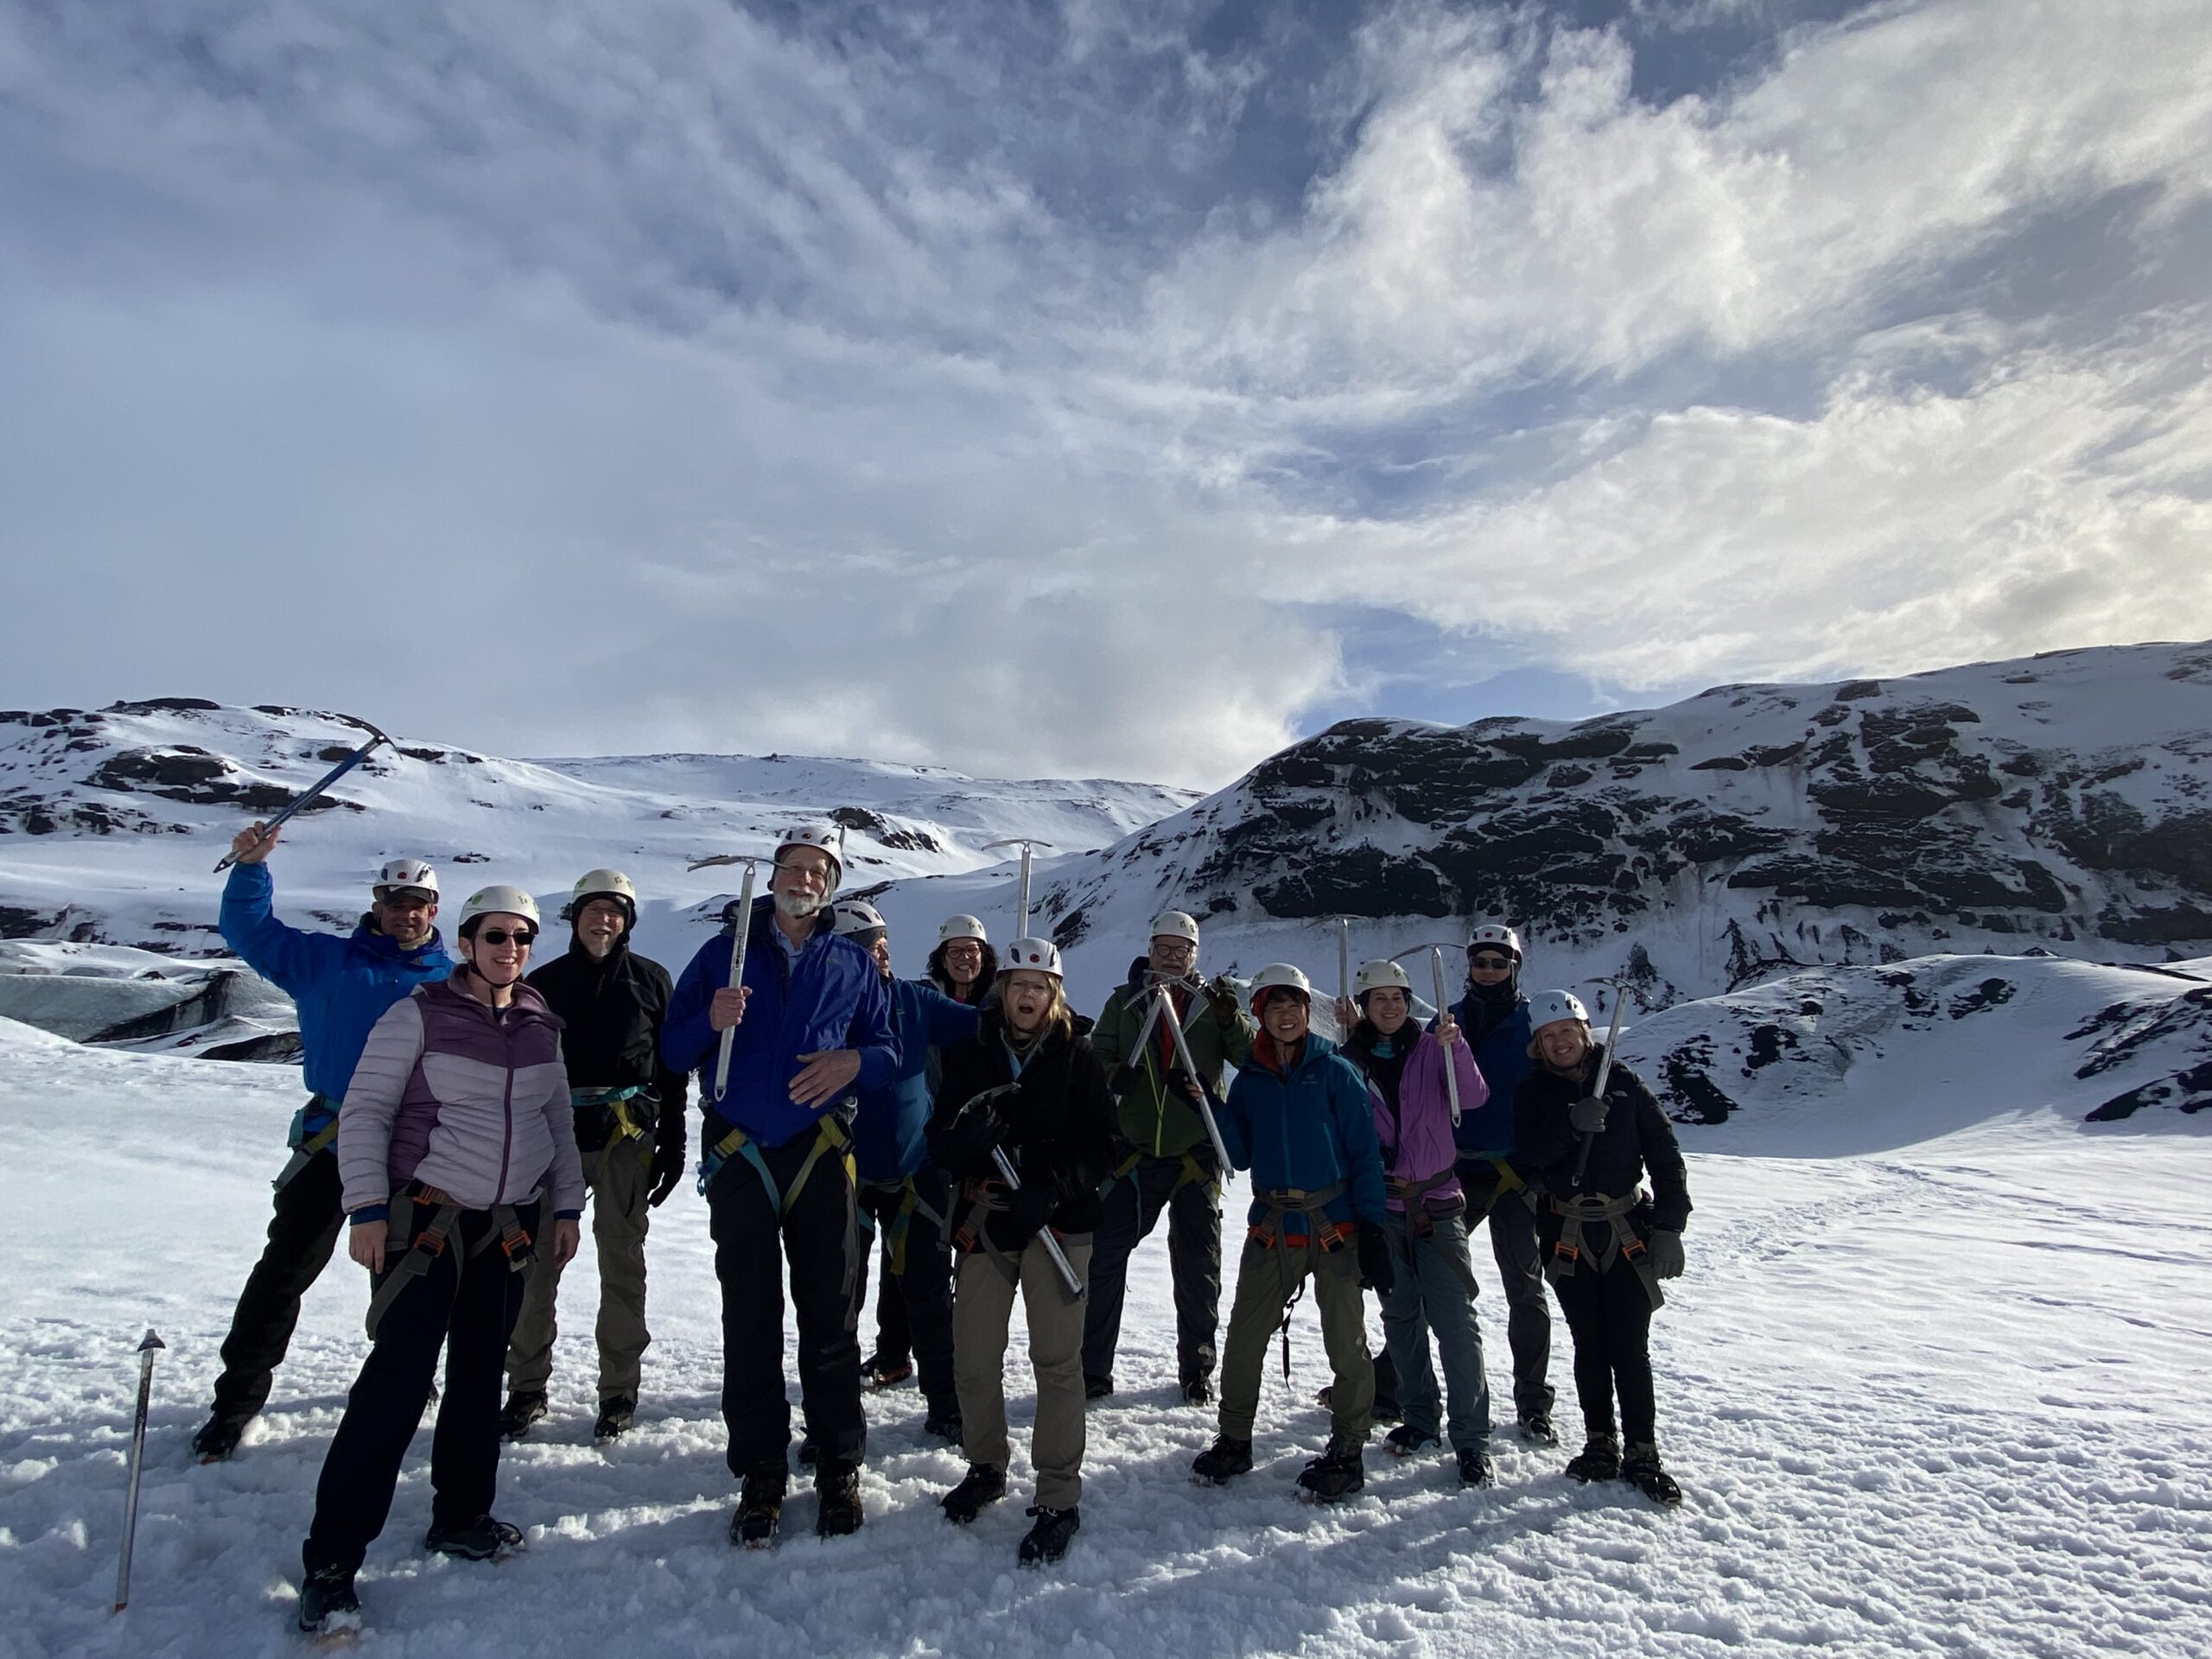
[1096,391]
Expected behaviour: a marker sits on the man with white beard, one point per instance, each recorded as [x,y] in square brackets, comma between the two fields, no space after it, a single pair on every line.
[812,1026]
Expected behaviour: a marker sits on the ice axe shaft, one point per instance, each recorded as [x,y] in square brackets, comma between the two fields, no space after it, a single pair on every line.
[1021,895]
[314,793]
[1043,1234]
[1343,959]
[1450,1076]
[147,1348]
[1164,1008]
[1605,1068]
[741,932]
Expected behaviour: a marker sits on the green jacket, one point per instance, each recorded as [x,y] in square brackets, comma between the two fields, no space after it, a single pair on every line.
[1154,1119]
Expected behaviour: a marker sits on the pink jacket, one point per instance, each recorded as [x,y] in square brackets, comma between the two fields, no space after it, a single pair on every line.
[1417,1142]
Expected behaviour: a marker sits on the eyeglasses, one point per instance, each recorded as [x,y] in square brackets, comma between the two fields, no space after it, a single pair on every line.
[521,936]
[1490,964]
[964,950]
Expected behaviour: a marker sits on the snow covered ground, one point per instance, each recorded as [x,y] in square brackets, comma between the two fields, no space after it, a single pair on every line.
[1947,1396]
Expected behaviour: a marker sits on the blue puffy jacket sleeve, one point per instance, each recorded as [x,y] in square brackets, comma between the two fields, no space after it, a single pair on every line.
[1354,1117]
[944,1020]
[1234,1119]
[872,1034]
[686,1038]
[286,956]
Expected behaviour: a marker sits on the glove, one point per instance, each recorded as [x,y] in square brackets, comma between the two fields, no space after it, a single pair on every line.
[1123,1079]
[1587,1115]
[1668,1260]
[1376,1272]
[1222,998]
[1029,1208]
[668,1170]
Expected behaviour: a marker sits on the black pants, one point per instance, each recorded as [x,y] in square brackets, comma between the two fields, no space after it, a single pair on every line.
[1132,1210]
[819,1238]
[1609,1314]
[1513,1244]
[301,1235]
[913,1308]
[466,1303]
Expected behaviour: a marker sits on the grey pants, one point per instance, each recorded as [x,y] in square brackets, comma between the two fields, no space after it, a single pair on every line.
[1429,1292]
[620,1178]
[983,1310]
[1265,1278]
[1520,1260]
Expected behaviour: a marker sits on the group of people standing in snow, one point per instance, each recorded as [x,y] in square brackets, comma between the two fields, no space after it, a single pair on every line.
[972,1133]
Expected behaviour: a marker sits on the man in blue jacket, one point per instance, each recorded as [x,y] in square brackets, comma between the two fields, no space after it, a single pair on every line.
[904,1200]
[808,1029]
[341,987]
[1494,1016]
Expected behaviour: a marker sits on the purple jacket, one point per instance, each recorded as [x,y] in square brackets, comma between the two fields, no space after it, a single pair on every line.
[1416,1139]
[450,1095]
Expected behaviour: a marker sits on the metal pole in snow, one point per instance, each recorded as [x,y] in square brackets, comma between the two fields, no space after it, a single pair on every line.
[147,1348]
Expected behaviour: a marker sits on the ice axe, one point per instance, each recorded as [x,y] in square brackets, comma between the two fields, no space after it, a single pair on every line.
[739,931]
[1163,1008]
[315,791]
[1022,903]
[1451,1076]
[151,1345]
[1622,991]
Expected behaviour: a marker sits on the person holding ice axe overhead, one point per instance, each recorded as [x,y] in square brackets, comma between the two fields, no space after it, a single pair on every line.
[787,1023]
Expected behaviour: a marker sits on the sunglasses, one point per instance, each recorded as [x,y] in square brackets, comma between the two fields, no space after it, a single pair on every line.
[521,936]
[1490,964]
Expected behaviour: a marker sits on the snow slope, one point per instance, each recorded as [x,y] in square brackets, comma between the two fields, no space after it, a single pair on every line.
[1934,1384]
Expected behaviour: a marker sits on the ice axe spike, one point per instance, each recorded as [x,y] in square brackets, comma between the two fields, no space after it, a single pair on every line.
[150,1346]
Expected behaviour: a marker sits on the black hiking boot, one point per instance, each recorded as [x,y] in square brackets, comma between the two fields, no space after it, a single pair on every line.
[1048,1539]
[218,1438]
[838,1486]
[615,1416]
[1097,1388]
[759,1507]
[523,1408]
[880,1371]
[484,1539]
[1475,1467]
[1641,1468]
[809,1453]
[1405,1441]
[328,1604]
[1535,1427]
[1599,1459]
[981,1485]
[1336,1474]
[1198,1390]
[945,1426]
[1222,1461]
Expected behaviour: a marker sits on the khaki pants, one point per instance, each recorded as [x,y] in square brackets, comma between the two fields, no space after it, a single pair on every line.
[1265,1279]
[620,1178]
[980,1314]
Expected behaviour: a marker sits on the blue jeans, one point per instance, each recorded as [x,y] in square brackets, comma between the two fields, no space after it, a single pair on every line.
[1433,1290]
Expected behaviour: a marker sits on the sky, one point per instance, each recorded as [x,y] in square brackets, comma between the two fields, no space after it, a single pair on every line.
[1100,388]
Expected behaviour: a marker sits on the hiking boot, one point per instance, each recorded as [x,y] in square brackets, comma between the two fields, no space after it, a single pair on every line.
[1222,1461]
[481,1540]
[1198,1390]
[838,1486]
[1535,1425]
[884,1371]
[759,1507]
[1336,1474]
[945,1426]
[1475,1467]
[1599,1459]
[1405,1441]
[1097,1388]
[328,1604]
[1048,1539]
[981,1485]
[523,1408]
[218,1438]
[1642,1470]
[615,1415]
[808,1453]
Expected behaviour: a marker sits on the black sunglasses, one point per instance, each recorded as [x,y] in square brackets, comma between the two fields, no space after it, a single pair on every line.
[522,935]
[1497,964]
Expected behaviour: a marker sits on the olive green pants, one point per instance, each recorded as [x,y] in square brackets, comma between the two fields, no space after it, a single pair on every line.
[983,1310]
[619,1179]
[1266,1276]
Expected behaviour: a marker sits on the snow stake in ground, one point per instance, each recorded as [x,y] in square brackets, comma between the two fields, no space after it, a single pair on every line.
[147,1348]
[315,791]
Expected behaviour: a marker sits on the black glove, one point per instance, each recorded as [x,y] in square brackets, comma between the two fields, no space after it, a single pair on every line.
[1123,1079]
[1667,1258]
[668,1169]
[1029,1208]
[1376,1272]
[1221,996]
[1587,1115]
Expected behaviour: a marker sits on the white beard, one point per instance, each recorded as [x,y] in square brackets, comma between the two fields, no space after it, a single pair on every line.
[798,907]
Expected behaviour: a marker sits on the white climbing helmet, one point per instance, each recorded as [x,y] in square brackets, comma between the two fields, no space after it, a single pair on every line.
[1176,925]
[1549,1007]
[850,916]
[405,872]
[603,883]
[1033,955]
[828,838]
[962,927]
[1373,976]
[500,901]
[1495,934]
[1278,976]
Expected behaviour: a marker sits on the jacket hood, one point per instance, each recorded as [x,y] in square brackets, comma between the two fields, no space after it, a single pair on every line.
[371,937]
